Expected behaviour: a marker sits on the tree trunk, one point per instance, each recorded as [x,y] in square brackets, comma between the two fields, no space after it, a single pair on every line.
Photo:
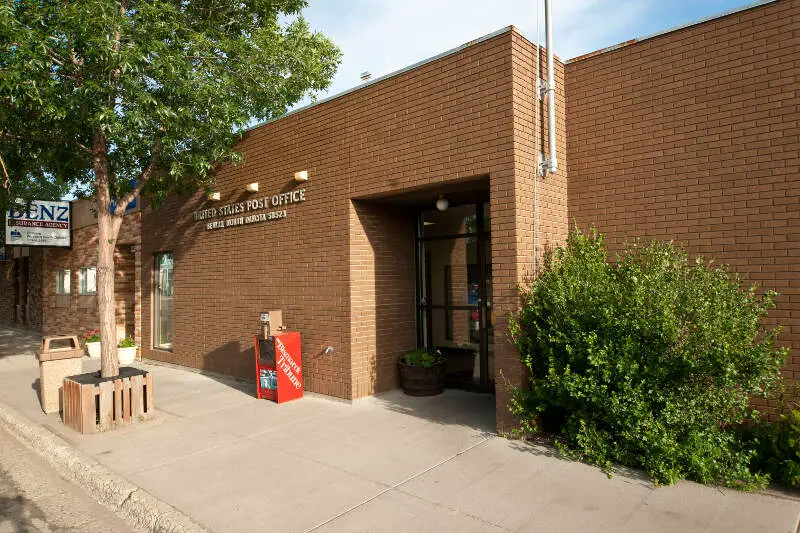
[107,230]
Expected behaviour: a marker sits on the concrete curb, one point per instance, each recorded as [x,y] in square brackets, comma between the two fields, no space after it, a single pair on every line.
[140,509]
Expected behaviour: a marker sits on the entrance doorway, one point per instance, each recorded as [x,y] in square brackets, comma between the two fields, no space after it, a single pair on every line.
[454,292]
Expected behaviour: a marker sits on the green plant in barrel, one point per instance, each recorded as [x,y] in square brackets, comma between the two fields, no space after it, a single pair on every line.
[422,357]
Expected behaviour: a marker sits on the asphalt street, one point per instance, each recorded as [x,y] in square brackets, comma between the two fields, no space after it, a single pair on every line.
[35,498]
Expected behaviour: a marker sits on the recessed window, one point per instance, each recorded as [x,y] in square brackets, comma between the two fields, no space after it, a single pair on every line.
[87,280]
[62,282]
[163,327]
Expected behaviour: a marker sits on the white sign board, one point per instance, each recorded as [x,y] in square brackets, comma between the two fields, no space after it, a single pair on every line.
[40,223]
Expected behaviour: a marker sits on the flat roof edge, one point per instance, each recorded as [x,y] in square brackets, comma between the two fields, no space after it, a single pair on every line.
[392,74]
[647,37]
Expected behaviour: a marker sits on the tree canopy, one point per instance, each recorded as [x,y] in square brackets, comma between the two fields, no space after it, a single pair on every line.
[116,98]
[166,84]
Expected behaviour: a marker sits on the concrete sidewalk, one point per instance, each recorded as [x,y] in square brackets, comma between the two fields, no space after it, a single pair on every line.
[390,463]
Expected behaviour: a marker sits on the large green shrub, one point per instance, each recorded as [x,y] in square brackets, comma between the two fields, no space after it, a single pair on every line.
[649,362]
[777,448]
[777,444]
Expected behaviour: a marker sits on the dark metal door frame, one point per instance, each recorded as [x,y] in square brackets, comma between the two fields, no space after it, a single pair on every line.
[424,280]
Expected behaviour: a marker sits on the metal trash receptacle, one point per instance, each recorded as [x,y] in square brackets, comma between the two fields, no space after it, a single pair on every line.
[56,363]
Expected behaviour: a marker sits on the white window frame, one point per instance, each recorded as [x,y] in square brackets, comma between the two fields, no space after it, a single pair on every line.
[87,281]
[63,281]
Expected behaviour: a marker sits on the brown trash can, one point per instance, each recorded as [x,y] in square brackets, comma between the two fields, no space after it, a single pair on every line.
[56,363]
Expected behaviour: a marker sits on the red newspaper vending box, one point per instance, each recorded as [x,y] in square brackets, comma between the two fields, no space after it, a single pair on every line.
[279,367]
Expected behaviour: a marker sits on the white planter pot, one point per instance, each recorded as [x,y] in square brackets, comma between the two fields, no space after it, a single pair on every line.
[94,349]
[126,356]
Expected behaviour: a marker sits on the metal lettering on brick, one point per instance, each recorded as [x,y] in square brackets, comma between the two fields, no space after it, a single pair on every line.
[242,208]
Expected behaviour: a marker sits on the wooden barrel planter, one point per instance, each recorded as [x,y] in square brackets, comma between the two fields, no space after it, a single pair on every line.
[92,403]
[422,380]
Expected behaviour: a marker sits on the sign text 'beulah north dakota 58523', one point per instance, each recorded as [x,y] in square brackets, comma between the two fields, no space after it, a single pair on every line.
[237,211]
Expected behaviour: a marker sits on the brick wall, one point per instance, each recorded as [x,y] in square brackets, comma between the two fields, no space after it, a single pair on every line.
[532,197]
[382,297]
[76,313]
[6,291]
[432,126]
[21,281]
[35,313]
[693,136]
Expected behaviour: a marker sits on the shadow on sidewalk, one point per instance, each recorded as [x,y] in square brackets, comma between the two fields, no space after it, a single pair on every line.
[452,407]
[16,341]
[36,386]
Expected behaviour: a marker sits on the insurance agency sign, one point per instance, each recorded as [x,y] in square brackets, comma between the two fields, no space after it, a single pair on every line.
[39,223]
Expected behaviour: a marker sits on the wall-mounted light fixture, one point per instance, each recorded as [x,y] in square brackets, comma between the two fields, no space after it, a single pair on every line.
[442,203]
[252,187]
[301,175]
[214,196]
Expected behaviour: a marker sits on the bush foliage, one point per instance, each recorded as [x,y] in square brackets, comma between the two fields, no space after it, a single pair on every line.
[422,357]
[777,449]
[649,362]
[777,445]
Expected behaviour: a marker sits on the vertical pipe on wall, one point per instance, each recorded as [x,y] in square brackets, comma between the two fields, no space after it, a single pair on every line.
[536,129]
[552,164]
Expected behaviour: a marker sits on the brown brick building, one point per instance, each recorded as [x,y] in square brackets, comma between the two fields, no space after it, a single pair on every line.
[689,135]
[694,136]
[52,289]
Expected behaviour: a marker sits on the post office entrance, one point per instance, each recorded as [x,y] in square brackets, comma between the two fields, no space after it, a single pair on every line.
[454,291]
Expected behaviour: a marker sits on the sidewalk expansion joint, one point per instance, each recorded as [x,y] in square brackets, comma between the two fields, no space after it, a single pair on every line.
[398,484]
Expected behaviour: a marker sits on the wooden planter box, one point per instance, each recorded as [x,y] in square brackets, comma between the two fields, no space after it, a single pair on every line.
[92,403]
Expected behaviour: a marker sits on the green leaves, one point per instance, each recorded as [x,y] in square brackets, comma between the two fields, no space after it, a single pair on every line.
[777,445]
[648,361]
[185,74]
[422,357]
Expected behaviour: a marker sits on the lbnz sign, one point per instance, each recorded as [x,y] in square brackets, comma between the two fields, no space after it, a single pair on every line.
[39,223]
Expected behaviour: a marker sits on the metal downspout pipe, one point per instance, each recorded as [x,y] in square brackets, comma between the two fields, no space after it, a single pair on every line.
[552,164]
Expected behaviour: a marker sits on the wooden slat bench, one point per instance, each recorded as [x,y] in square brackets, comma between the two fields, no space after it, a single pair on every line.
[94,404]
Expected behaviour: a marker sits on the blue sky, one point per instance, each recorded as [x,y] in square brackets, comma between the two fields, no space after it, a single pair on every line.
[385,35]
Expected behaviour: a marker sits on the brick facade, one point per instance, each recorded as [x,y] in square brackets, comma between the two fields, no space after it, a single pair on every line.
[21,289]
[341,265]
[382,300]
[693,136]
[690,136]
[75,313]
[7,277]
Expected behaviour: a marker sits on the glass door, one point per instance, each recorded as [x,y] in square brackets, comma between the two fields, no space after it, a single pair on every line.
[454,292]
[163,326]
